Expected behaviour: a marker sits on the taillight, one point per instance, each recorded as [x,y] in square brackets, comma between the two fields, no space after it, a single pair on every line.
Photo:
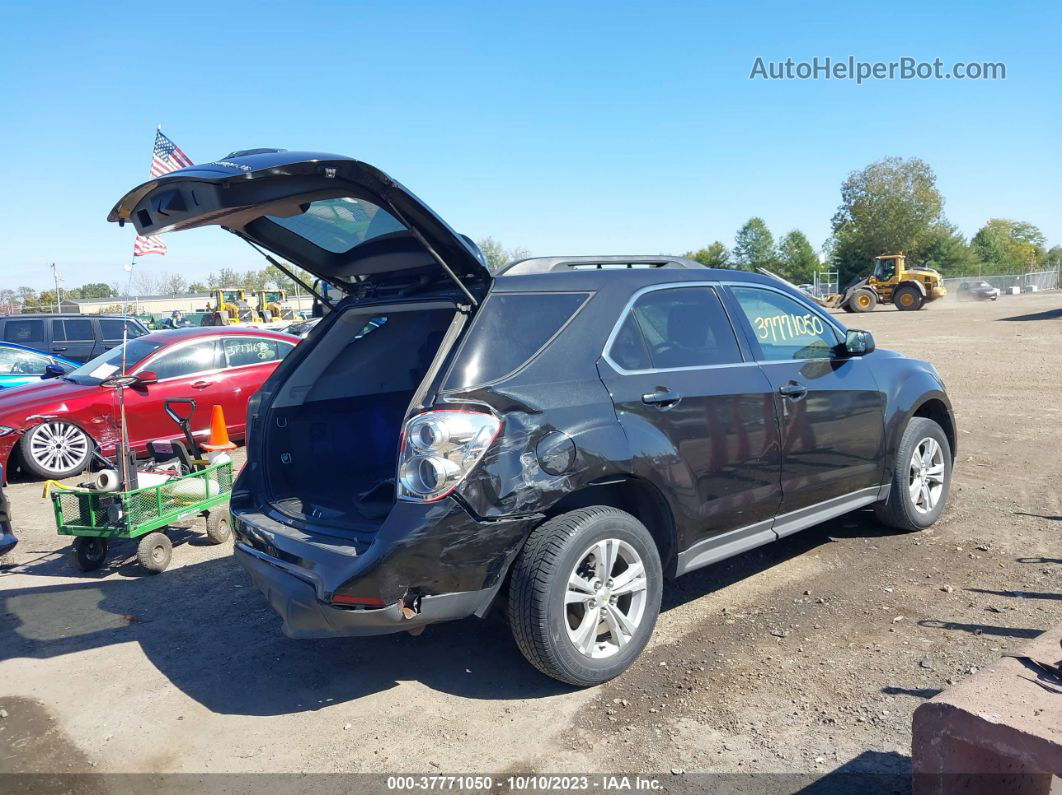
[439,448]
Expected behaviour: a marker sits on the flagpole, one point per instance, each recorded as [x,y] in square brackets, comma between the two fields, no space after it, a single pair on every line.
[58,299]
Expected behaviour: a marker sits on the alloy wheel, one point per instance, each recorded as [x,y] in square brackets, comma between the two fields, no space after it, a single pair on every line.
[58,446]
[926,475]
[605,598]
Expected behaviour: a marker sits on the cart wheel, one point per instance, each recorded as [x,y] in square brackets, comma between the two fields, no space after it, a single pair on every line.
[217,525]
[89,553]
[154,551]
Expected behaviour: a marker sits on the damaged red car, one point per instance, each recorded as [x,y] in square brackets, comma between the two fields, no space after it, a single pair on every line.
[51,429]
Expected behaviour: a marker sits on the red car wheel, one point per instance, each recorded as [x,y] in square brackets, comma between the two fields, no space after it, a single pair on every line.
[56,450]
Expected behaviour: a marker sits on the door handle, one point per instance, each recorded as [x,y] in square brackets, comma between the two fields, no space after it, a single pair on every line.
[662,398]
[201,384]
[59,348]
[793,391]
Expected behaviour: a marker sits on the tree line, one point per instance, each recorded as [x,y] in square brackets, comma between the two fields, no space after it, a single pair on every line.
[890,206]
[149,281]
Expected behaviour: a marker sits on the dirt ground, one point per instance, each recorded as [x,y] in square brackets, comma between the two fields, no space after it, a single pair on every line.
[808,655]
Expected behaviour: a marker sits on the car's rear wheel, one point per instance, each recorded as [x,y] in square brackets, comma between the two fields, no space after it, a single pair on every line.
[56,450]
[908,299]
[585,595]
[921,477]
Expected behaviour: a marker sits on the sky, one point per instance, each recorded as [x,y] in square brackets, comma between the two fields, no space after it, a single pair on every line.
[558,127]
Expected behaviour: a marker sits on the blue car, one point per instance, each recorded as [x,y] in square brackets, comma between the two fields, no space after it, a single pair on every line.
[20,365]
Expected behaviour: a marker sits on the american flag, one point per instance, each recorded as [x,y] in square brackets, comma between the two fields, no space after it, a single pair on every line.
[165,157]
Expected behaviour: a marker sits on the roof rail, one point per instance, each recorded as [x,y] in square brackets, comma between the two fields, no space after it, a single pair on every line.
[536,265]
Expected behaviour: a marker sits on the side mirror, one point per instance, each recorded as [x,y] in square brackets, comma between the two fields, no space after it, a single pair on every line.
[858,342]
[145,377]
[53,371]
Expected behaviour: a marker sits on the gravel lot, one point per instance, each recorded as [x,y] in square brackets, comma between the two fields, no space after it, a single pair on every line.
[808,655]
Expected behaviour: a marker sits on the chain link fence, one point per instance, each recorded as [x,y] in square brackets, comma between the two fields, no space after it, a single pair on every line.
[1009,283]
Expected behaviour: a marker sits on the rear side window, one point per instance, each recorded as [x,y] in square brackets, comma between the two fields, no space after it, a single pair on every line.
[24,332]
[681,327]
[73,330]
[241,351]
[628,349]
[508,331]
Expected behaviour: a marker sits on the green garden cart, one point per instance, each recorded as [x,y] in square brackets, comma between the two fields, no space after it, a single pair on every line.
[96,517]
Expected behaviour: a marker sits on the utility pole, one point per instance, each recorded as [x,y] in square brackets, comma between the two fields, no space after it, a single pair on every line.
[58,298]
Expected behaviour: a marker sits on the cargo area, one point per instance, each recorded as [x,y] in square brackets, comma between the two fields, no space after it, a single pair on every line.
[334,427]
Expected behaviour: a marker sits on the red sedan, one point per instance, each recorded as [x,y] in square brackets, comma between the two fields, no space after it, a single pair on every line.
[53,426]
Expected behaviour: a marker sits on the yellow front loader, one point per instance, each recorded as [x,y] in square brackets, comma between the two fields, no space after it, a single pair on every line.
[271,306]
[892,282]
[908,288]
[233,306]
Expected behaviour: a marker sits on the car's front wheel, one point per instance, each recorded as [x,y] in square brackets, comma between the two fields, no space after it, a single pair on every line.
[921,477]
[585,594]
[56,450]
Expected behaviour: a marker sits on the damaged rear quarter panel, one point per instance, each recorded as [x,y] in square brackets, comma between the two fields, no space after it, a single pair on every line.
[510,480]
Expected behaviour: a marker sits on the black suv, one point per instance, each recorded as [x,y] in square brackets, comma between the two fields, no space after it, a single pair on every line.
[76,337]
[563,434]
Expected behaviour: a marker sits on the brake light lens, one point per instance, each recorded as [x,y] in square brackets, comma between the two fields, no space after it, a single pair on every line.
[357,601]
[439,448]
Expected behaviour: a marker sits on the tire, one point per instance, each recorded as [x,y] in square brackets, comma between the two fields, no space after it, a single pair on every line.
[548,624]
[55,450]
[902,510]
[863,300]
[89,552]
[847,308]
[217,525]
[154,552]
[908,299]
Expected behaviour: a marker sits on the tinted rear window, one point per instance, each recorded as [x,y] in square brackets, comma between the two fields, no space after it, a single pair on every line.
[24,332]
[337,225]
[508,331]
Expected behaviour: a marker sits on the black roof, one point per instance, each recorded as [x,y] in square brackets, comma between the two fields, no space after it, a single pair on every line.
[532,265]
[591,273]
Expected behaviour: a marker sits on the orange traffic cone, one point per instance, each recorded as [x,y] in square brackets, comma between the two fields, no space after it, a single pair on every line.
[219,433]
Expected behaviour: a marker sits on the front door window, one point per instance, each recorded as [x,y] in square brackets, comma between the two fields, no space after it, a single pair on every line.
[784,328]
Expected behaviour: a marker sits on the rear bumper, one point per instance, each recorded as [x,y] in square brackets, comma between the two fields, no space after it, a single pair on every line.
[435,559]
[304,616]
